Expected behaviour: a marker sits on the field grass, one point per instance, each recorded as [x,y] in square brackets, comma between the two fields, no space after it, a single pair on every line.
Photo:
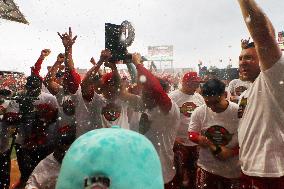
[15,174]
[13,154]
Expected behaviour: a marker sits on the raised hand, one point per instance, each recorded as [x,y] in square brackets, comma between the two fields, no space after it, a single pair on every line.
[93,61]
[136,58]
[244,43]
[67,39]
[60,58]
[105,55]
[110,65]
[44,53]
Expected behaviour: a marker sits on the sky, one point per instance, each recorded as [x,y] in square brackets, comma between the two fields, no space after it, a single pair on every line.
[204,30]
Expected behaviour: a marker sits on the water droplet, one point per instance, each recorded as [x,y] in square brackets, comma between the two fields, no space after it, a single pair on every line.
[248,19]
[142,79]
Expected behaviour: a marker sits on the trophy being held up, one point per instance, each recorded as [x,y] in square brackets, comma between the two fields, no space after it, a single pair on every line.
[117,39]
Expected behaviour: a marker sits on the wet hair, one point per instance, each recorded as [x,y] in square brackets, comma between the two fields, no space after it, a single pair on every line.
[249,45]
[34,82]
[213,87]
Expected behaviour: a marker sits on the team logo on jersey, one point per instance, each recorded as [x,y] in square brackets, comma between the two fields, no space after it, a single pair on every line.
[187,108]
[111,112]
[218,135]
[242,107]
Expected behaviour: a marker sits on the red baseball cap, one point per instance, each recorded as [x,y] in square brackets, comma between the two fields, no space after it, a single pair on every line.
[191,76]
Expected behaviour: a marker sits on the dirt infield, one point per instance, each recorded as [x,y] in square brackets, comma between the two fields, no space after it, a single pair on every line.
[15,173]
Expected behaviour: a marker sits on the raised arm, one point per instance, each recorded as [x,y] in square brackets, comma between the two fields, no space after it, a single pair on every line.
[50,79]
[152,84]
[262,33]
[91,80]
[72,77]
[133,100]
[37,67]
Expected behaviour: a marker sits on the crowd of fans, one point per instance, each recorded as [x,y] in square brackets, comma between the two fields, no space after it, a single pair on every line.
[141,129]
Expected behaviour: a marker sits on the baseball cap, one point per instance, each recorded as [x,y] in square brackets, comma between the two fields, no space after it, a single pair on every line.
[191,76]
[124,159]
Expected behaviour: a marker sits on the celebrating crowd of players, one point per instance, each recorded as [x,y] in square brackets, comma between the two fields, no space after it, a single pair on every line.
[205,136]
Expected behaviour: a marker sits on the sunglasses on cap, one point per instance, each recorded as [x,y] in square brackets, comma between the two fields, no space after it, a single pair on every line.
[96,182]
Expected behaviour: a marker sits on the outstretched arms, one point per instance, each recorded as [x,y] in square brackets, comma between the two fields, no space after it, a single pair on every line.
[262,33]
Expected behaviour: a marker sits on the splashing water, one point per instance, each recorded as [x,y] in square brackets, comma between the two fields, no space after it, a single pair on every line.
[142,79]
[248,19]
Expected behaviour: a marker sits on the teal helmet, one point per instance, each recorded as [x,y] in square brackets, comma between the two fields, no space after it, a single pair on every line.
[111,158]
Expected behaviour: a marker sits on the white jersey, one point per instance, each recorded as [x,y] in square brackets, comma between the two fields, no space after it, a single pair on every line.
[73,112]
[223,128]
[237,86]
[261,130]
[45,174]
[162,134]
[187,104]
[110,113]
[44,89]
[67,108]
[133,119]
